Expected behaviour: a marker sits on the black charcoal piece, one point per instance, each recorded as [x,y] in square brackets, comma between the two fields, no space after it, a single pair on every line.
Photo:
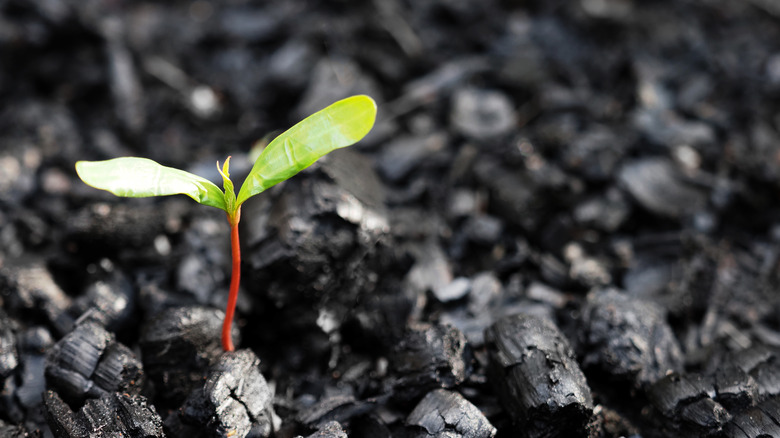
[178,345]
[30,289]
[762,421]
[33,343]
[89,363]
[338,408]
[430,357]
[674,391]
[404,154]
[446,414]
[115,226]
[329,430]
[658,187]
[235,399]
[111,301]
[627,338]
[736,389]
[112,415]
[537,377]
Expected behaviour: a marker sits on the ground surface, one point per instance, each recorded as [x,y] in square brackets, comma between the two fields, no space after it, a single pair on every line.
[611,166]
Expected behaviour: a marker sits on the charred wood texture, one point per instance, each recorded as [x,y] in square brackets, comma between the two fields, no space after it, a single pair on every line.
[447,414]
[178,346]
[760,421]
[89,363]
[430,357]
[31,290]
[329,430]
[537,377]
[110,416]
[627,338]
[16,431]
[235,400]
[689,405]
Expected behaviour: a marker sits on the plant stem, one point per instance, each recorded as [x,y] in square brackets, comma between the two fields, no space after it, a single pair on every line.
[227,341]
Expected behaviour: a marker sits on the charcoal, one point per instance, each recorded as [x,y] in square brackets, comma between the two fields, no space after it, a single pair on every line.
[757,422]
[235,398]
[482,114]
[109,227]
[658,187]
[484,229]
[431,271]
[314,251]
[334,79]
[178,345]
[89,363]
[111,301]
[33,344]
[485,288]
[111,415]
[16,431]
[204,267]
[329,430]
[627,338]
[404,154]
[761,363]
[736,389]
[453,291]
[339,408]
[607,212]
[537,377]
[688,405]
[30,288]
[443,413]
[430,357]
[9,357]
[595,154]
[123,77]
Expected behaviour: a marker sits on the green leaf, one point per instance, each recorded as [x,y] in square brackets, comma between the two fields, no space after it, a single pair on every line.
[341,124]
[140,177]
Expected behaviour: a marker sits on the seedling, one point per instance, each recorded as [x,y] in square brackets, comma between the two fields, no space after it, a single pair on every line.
[339,125]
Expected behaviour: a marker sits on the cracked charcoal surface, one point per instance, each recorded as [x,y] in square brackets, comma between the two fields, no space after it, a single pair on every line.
[235,399]
[111,415]
[627,338]
[430,357]
[443,413]
[178,346]
[330,430]
[89,363]
[537,377]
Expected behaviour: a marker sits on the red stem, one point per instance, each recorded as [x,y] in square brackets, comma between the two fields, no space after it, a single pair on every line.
[227,341]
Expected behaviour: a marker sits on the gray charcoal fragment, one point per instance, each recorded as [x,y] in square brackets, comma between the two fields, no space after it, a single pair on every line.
[706,414]
[514,194]
[334,79]
[454,290]
[30,288]
[34,343]
[673,390]
[627,338]
[178,345]
[111,301]
[112,415]
[89,363]
[430,357]
[687,402]
[537,377]
[116,226]
[235,399]
[761,421]
[329,430]
[9,358]
[482,114]
[447,414]
[125,84]
[339,408]
[402,155]
[658,187]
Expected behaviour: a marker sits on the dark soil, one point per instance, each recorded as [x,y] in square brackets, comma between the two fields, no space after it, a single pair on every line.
[564,223]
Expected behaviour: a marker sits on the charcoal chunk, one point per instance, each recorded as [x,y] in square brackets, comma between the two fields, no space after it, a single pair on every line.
[111,415]
[9,358]
[688,405]
[446,414]
[736,389]
[234,400]
[537,377]
[482,114]
[627,338]
[430,357]
[757,422]
[89,363]
[330,430]
[178,346]
[339,408]
[31,289]
[16,431]
[658,187]
[111,301]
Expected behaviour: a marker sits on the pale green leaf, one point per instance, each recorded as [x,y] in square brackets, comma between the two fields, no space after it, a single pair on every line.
[339,125]
[140,177]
